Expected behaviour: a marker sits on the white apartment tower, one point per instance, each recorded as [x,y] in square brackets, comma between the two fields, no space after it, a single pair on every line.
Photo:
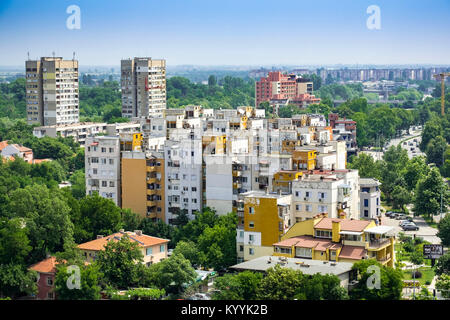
[52,91]
[143,84]
[102,167]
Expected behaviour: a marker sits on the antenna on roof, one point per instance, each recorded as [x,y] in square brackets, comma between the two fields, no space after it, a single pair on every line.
[53,53]
[28,54]
[73,57]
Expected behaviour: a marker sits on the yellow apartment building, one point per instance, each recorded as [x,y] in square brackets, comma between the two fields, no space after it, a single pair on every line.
[264,218]
[304,159]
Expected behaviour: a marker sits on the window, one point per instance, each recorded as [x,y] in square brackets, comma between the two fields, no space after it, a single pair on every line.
[323,234]
[111,161]
[283,250]
[307,194]
[104,183]
[366,202]
[366,213]
[111,184]
[49,281]
[148,251]
[103,149]
[241,234]
[251,210]
[241,248]
[251,237]
[50,295]
[303,252]
[194,189]
[251,224]
[297,193]
[251,251]
[111,150]
[162,248]
[308,208]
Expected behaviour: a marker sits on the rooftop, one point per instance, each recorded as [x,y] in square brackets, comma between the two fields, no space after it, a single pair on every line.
[346,224]
[306,266]
[142,240]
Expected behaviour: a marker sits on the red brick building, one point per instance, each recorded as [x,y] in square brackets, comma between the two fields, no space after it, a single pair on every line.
[46,270]
[286,88]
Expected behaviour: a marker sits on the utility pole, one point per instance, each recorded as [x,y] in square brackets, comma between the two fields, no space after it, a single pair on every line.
[442,76]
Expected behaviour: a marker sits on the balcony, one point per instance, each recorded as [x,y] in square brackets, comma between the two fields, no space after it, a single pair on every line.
[237,173]
[379,243]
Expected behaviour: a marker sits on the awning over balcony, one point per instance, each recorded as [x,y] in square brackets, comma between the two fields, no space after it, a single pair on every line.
[380,230]
[352,233]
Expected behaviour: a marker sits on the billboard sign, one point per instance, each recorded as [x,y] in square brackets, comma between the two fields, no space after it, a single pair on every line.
[432,251]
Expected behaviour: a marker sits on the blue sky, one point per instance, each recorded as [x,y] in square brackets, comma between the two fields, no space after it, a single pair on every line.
[228,32]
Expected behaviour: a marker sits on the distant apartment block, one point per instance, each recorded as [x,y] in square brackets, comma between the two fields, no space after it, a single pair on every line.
[143,84]
[52,91]
[279,88]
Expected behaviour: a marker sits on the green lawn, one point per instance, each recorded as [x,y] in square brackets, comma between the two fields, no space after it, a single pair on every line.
[427,275]
[430,222]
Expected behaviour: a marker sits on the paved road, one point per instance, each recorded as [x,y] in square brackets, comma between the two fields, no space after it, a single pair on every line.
[414,134]
[425,231]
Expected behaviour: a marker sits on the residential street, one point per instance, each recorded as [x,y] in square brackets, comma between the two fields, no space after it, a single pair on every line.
[425,231]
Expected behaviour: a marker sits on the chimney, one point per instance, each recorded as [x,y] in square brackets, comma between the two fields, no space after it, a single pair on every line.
[138,232]
[122,230]
[336,228]
[279,191]
[99,236]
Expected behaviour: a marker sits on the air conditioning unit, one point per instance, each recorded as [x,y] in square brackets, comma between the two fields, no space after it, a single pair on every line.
[320,199]
[306,199]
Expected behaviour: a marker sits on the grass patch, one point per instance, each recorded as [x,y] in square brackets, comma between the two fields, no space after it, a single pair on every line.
[430,222]
[427,275]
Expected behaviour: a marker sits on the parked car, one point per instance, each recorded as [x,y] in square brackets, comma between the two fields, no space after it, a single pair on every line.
[199,296]
[405,222]
[400,216]
[388,213]
[410,227]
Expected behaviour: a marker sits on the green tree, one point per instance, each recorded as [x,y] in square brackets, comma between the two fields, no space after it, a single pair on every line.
[443,264]
[400,197]
[172,273]
[46,216]
[217,244]
[14,242]
[189,250]
[431,130]
[435,150]
[366,166]
[16,281]
[415,169]
[241,286]
[279,284]
[78,182]
[90,276]
[391,283]
[99,216]
[443,285]
[428,194]
[130,220]
[444,230]
[120,263]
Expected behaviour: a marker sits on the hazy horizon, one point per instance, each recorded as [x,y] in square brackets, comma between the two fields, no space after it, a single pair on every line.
[228,33]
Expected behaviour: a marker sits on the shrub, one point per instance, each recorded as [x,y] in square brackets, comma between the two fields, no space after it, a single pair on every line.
[428,282]
[416,274]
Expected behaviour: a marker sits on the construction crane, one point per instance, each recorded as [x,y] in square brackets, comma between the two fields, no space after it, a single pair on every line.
[442,77]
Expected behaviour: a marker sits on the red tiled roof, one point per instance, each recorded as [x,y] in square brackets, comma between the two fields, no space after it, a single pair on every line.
[352,252]
[346,224]
[142,241]
[3,144]
[45,266]
[309,242]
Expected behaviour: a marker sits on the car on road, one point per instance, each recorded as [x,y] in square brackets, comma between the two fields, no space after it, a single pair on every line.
[410,227]
[404,222]
[388,213]
[400,216]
